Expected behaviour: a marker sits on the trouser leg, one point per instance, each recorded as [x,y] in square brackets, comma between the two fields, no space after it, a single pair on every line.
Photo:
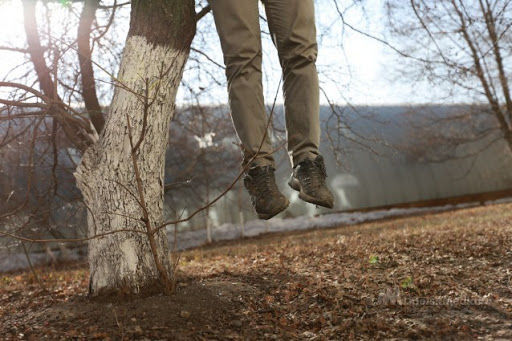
[292,26]
[237,23]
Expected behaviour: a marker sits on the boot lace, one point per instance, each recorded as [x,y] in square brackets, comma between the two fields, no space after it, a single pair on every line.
[314,173]
[262,184]
[262,181]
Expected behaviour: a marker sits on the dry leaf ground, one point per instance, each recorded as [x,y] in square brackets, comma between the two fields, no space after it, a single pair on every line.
[439,276]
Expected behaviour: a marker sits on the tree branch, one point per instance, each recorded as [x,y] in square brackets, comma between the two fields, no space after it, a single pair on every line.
[85,60]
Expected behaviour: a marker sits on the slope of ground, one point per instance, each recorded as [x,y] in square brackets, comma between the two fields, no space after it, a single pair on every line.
[446,275]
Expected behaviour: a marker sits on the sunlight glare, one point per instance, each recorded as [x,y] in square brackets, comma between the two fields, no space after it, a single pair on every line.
[13,34]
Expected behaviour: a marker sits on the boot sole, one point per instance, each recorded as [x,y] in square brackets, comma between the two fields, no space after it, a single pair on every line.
[295,184]
[267,216]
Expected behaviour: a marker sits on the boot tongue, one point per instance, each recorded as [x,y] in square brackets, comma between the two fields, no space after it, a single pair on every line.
[319,161]
[313,168]
[260,170]
[306,164]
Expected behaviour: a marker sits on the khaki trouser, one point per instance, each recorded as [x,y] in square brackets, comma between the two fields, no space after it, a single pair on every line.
[292,26]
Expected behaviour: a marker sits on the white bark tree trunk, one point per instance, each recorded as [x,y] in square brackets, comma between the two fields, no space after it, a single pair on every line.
[151,67]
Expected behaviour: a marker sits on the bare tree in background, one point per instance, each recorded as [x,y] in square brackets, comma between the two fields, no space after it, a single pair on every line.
[42,129]
[463,47]
[202,160]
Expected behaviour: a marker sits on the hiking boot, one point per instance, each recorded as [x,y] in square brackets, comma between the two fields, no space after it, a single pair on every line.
[308,179]
[265,196]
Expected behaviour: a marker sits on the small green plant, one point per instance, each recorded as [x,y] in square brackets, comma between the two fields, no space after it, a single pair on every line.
[374,259]
[407,283]
[65,3]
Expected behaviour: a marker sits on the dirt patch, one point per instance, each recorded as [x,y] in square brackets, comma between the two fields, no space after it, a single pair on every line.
[439,276]
[195,311]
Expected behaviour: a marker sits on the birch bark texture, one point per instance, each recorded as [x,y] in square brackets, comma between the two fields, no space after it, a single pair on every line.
[154,56]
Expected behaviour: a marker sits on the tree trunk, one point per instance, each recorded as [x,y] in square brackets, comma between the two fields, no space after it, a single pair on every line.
[92,104]
[155,53]
[508,139]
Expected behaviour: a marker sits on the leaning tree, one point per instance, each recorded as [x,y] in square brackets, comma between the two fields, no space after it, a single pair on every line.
[121,176]
[121,173]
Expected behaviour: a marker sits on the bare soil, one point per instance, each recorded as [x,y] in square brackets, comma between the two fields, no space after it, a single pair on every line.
[438,276]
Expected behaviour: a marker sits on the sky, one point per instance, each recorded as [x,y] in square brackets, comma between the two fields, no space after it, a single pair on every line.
[353,68]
